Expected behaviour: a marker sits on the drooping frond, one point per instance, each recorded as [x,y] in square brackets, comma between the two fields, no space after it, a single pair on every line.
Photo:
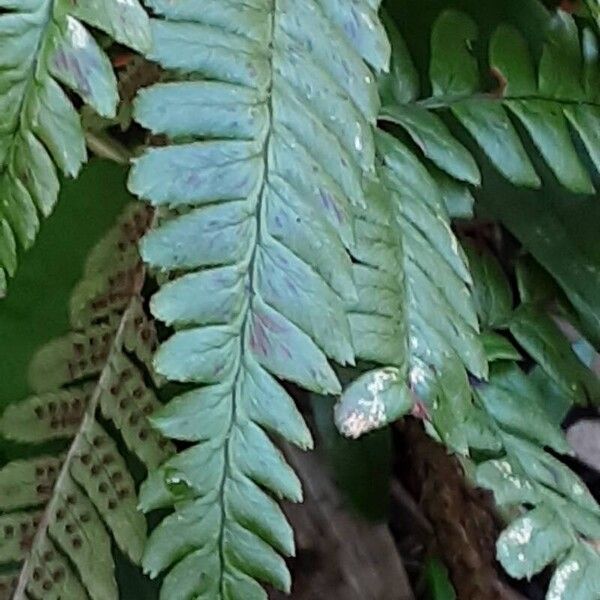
[272,138]
[552,100]
[45,46]
[415,310]
[55,510]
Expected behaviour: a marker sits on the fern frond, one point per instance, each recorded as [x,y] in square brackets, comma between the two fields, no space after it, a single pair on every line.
[556,519]
[272,131]
[45,44]
[562,520]
[551,100]
[55,510]
[415,310]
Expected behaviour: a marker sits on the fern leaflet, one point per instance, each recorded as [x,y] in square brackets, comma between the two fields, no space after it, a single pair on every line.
[55,509]
[45,44]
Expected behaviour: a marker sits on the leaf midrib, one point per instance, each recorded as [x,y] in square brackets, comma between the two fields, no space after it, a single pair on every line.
[448,102]
[245,323]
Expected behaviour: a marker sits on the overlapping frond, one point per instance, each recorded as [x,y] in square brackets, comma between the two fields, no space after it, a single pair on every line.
[415,310]
[45,48]
[55,510]
[552,101]
[271,126]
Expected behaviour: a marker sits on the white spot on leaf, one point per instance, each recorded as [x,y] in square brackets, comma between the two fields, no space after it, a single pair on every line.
[561,579]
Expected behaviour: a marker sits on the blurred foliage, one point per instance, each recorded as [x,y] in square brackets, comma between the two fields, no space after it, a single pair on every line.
[437,580]
[36,309]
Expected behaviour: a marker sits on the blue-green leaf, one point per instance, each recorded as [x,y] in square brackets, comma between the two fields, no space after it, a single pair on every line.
[577,577]
[271,110]
[532,542]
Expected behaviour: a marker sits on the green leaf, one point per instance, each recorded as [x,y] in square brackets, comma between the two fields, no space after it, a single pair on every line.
[453,69]
[479,431]
[508,481]
[560,511]
[378,329]
[438,581]
[490,126]
[126,22]
[560,101]
[539,335]
[550,472]
[544,119]
[434,266]
[561,60]
[563,241]
[497,347]
[43,45]
[434,139]
[549,131]
[76,60]
[551,98]
[401,85]
[532,542]
[427,322]
[264,174]
[577,576]
[536,286]
[372,401]
[515,404]
[458,198]
[556,404]
[492,293]
[510,57]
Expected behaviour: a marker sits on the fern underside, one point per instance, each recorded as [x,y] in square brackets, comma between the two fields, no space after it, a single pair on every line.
[270,156]
[55,510]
